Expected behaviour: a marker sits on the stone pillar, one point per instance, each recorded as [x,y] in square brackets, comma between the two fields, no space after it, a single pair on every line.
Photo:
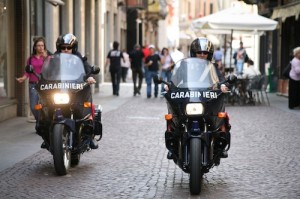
[90,31]
[79,21]
[67,17]
[51,25]
[99,38]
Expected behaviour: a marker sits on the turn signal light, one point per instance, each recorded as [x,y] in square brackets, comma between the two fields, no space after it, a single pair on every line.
[38,107]
[168,116]
[222,115]
[87,104]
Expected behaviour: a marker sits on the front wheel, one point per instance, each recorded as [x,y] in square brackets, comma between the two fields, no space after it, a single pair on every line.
[61,153]
[195,166]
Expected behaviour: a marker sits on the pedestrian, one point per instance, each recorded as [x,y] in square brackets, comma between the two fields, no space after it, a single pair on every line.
[240,59]
[36,60]
[152,65]
[125,65]
[146,52]
[294,81]
[113,59]
[136,56]
[253,76]
[218,55]
[250,71]
[166,69]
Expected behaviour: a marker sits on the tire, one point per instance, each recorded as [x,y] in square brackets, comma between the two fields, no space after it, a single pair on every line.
[61,154]
[195,166]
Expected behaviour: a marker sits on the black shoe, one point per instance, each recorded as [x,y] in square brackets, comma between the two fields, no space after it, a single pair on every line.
[44,145]
[93,144]
[224,154]
[170,155]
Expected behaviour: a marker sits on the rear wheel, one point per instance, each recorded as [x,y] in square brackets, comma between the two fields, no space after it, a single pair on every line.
[195,166]
[61,153]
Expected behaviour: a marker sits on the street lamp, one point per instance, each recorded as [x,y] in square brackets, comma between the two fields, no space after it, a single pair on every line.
[138,21]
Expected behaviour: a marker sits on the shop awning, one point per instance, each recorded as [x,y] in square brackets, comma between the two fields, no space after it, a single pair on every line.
[286,12]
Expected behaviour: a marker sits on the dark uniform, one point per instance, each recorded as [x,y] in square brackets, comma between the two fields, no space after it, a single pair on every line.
[136,57]
[115,69]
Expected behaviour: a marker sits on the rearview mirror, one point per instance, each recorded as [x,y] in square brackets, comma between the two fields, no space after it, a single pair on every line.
[84,58]
[95,69]
[158,80]
[231,78]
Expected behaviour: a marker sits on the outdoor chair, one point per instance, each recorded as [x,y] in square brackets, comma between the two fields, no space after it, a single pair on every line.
[258,88]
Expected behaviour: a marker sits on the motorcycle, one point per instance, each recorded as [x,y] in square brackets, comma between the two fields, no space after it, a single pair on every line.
[197,126]
[68,120]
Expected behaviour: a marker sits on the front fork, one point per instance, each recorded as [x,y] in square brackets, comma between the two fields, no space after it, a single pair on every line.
[196,133]
[58,118]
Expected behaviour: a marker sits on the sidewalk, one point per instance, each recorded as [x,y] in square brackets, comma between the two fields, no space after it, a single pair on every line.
[281,102]
[18,139]
[18,134]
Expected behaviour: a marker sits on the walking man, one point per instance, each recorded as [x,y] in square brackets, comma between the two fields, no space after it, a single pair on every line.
[114,59]
[151,63]
[136,57]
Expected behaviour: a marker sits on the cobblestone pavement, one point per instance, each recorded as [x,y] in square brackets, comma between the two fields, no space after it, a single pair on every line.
[263,162]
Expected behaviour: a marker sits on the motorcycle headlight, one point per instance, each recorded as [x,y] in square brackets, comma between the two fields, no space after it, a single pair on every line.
[61,98]
[194,109]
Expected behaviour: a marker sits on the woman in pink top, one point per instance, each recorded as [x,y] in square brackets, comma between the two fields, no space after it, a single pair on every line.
[39,53]
[294,81]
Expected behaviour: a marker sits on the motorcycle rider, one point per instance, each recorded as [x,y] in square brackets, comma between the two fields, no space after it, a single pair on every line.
[68,43]
[202,48]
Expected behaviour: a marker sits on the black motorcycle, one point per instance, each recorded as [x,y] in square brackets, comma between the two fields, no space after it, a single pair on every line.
[68,120]
[197,125]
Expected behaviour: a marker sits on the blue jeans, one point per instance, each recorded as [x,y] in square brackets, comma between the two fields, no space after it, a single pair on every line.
[165,75]
[239,67]
[149,77]
[34,99]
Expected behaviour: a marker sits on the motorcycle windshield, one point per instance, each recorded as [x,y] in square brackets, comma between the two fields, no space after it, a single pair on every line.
[63,67]
[194,73]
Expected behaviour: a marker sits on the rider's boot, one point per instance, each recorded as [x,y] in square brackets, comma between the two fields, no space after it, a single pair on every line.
[224,154]
[226,130]
[45,145]
[170,155]
[93,144]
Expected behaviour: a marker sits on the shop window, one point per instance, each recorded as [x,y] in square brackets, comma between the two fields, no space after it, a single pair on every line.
[3,49]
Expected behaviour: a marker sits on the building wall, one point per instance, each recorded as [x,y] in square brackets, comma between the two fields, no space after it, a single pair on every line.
[96,24]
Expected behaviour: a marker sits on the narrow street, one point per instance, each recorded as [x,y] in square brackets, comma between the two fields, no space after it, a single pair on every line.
[131,161]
